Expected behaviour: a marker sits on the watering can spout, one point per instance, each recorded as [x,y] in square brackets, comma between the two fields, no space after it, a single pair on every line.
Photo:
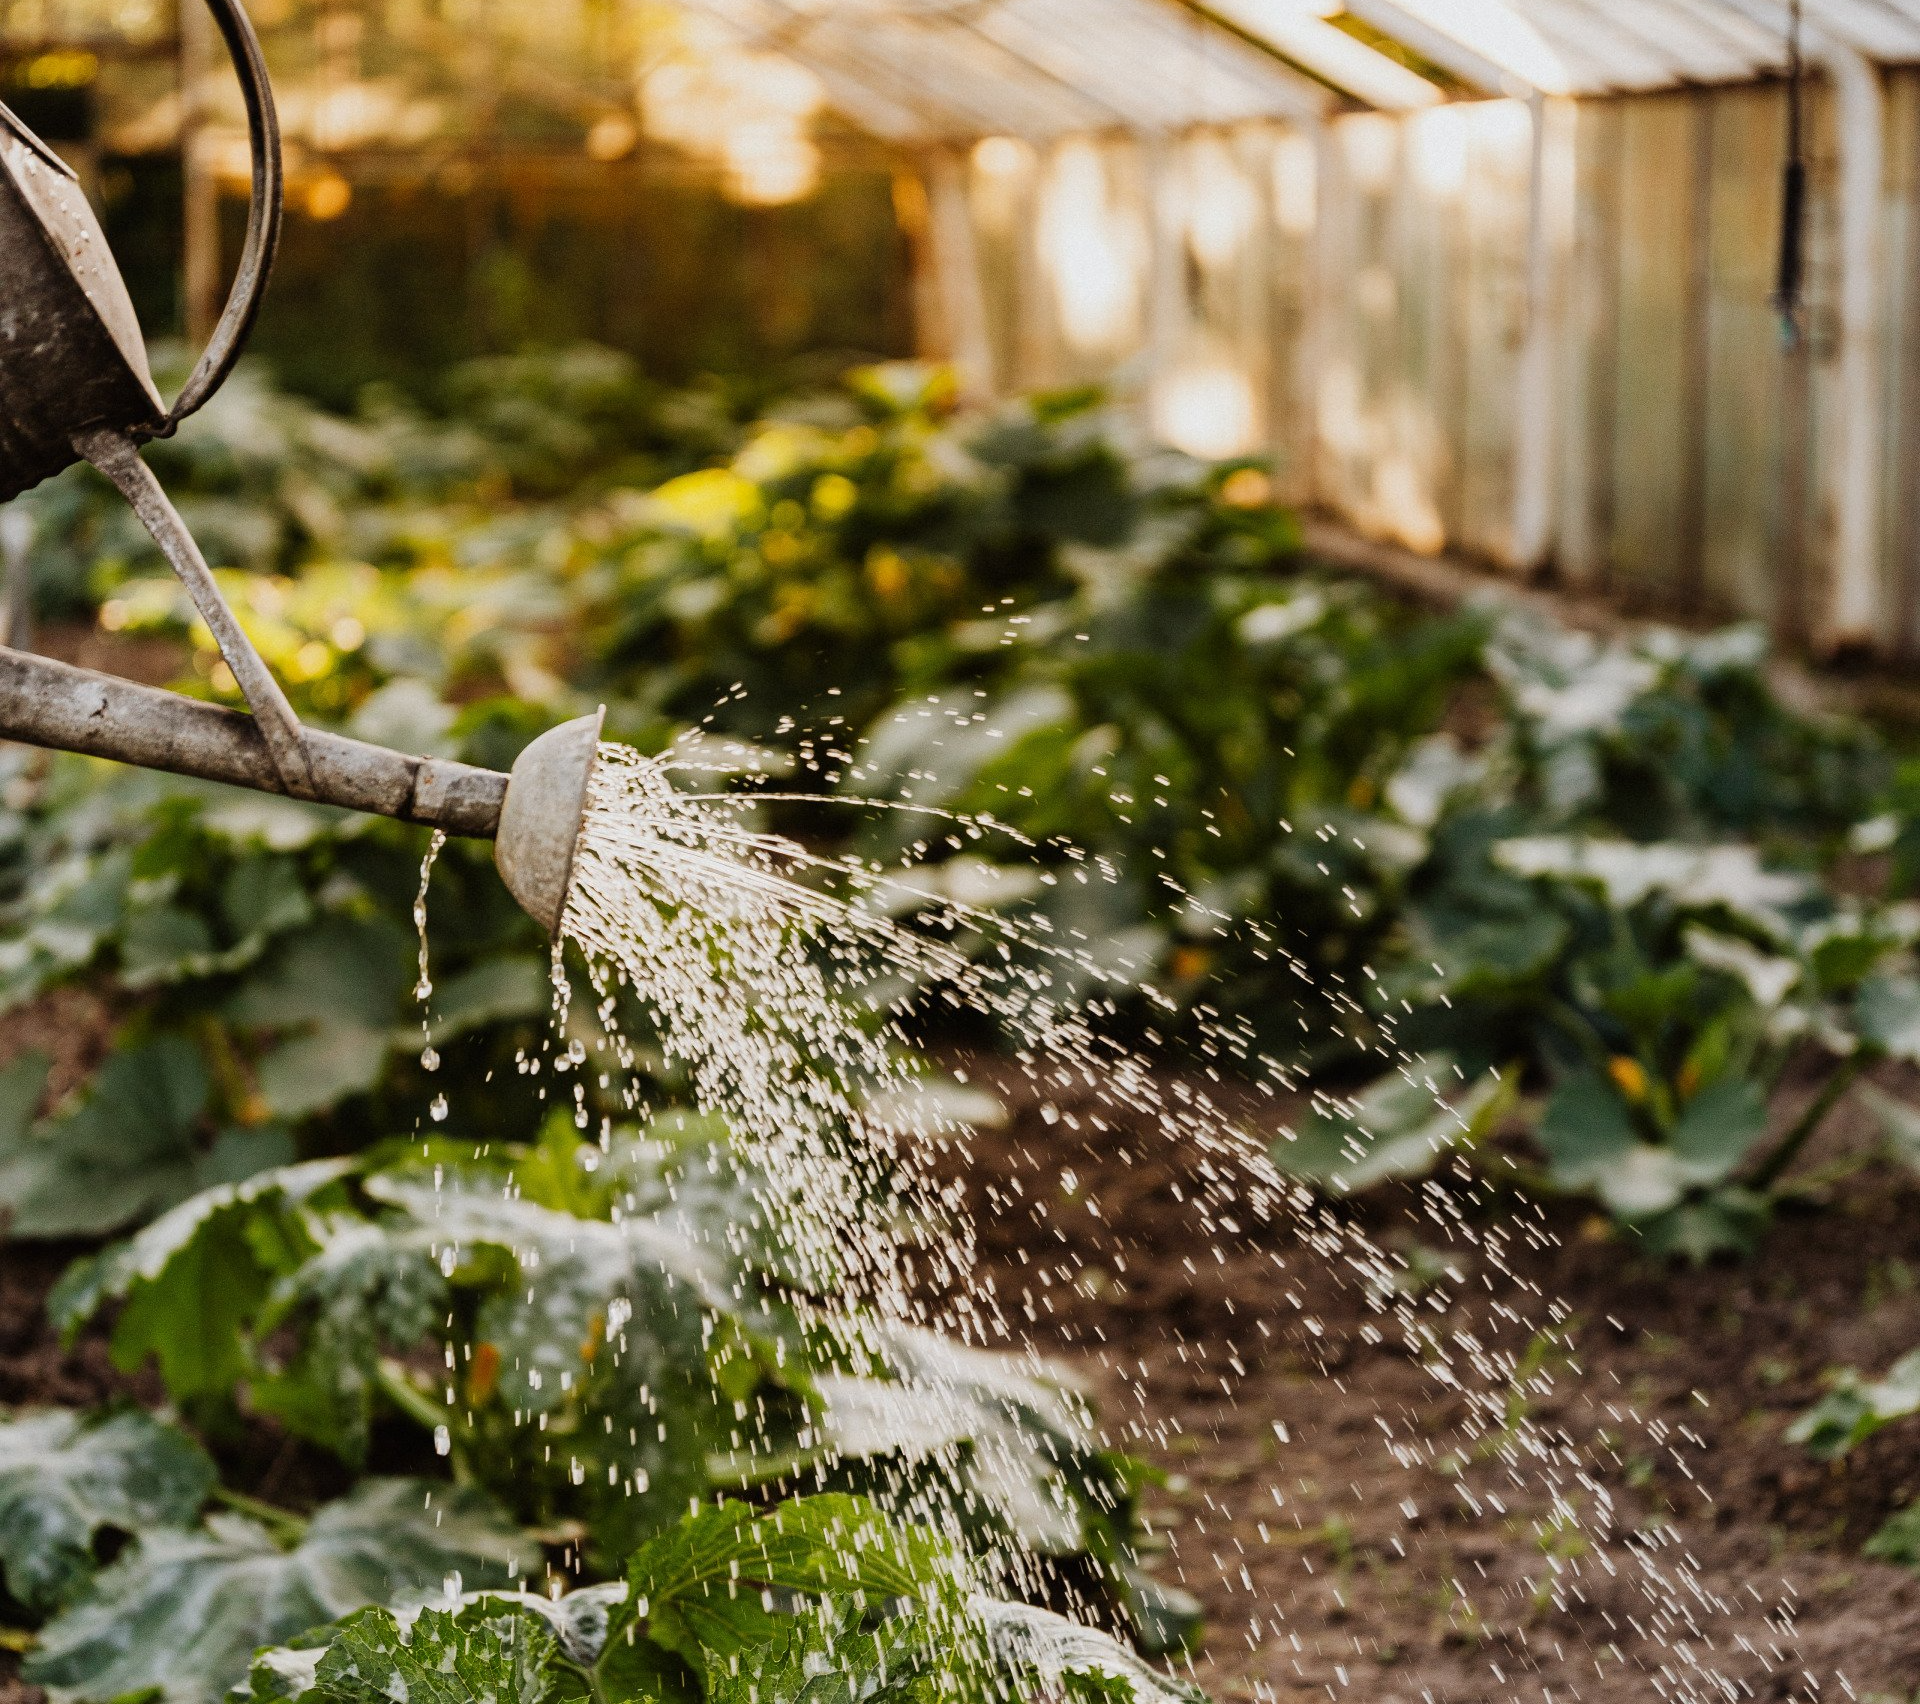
[542,815]
[533,815]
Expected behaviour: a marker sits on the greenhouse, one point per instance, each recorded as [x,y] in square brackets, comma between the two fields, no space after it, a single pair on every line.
[1481,278]
[959,851]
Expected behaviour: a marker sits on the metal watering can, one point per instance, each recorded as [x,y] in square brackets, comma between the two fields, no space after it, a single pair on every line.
[75,385]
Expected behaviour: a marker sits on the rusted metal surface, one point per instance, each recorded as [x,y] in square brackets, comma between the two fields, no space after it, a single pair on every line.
[45,703]
[534,816]
[70,351]
[71,357]
[115,456]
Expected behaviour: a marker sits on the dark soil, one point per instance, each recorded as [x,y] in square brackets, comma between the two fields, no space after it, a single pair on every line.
[1274,1394]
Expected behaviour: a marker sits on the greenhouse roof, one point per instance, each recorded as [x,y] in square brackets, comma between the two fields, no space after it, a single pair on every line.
[915,72]
[922,70]
[919,70]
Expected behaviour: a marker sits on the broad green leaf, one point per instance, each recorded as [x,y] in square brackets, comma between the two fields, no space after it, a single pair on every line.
[1726,1220]
[828,1653]
[313,1072]
[482,1651]
[1012,1441]
[363,1291]
[23,1084]
[1855,1408]
[180,1614]
[497,990]
[1728,877]
[1585,1129]
[698,1587]
[1898,1539]
[1768,977]
[337,985]
[337,973]
[127,1148]
[64,1477]
[1887,1016]
[1718,1128]
[193,1278]
[1398,1126]
[1040,1651]
[1899,1124]
[1641,1182]
[163,943]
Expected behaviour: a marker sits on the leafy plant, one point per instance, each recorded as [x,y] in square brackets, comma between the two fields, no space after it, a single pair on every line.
[1856,1408]
[180,1613]
[66,1478]
[1397,1126]
[612,1332]
[819,1598]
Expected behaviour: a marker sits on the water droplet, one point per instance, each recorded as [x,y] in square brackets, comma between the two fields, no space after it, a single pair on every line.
[438,1109]
[442,1441]
[430,1059]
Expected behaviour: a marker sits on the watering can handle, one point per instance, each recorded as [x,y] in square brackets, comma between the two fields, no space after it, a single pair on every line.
[263,216]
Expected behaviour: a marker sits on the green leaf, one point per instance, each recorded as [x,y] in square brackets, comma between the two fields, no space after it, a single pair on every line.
[497,990]
[338,986]
[127,1148]
[1039,1651]
[195,1277]
[313,1072]
[1398,1126]
[1727,1220]
[180,1614]
[23,1084]
[1898,1539]
[1015,1445]
[483,1651]
[1899,1124]
[1585,1130]
[1886,1016]
[363,1291]
[1718,1129]
[65,1477]
[163,943]
[824,1654]
[1695,878]
[1855,1408]
[698,1587]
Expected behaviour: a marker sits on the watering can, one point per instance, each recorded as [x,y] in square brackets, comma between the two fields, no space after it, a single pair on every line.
[75,385]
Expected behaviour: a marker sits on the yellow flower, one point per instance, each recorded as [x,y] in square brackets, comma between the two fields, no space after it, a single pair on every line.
[887,572]
[833,495]
[484,1375]
[1629,1077]
[1189,962]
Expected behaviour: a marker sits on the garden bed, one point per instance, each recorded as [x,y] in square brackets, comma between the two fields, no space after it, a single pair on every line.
[1733,1353]
[1359,1557]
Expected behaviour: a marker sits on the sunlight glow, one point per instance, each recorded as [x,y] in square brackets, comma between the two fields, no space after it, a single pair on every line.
[1092,249]
[749,111]
[1205,406]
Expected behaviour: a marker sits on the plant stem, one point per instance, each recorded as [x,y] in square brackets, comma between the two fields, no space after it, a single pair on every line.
[284,1524]
[420,1408]
[1768,1172]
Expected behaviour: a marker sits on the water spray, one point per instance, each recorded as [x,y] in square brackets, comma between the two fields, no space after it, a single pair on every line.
[75,385]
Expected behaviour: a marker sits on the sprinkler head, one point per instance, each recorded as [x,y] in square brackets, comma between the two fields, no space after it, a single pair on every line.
[541,818]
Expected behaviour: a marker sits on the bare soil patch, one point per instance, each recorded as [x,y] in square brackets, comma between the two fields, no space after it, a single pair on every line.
[1254,1370]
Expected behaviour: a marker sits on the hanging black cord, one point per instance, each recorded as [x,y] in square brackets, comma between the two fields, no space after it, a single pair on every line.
[1793,190]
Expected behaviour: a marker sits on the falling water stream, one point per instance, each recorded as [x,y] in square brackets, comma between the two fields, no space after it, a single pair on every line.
[783,983]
